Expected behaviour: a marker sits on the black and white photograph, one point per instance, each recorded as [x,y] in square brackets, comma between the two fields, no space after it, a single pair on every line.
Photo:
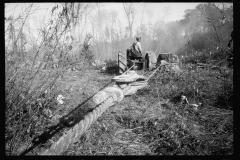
[119,79]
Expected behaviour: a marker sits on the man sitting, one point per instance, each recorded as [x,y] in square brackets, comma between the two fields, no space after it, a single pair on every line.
[136,51]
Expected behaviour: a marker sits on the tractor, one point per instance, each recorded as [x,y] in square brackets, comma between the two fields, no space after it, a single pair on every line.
[148,62]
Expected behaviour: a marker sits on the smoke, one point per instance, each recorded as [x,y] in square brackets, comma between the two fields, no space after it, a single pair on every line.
[175,39]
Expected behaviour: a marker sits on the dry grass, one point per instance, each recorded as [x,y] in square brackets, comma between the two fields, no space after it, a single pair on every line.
[151,122]
[34,79]
[31,105]
[155,122]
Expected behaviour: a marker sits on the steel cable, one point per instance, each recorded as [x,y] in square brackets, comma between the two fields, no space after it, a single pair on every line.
[73,134]
[111,95]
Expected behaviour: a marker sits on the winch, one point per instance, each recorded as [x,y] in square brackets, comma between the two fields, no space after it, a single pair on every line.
[130,82]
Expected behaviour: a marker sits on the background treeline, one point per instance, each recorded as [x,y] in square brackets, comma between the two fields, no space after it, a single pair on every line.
[205,26]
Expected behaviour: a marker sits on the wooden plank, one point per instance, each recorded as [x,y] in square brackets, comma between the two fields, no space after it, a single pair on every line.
[122,62]
[120,55]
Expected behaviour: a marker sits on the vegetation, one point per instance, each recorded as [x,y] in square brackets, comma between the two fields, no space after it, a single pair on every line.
[56,60]
[155,121]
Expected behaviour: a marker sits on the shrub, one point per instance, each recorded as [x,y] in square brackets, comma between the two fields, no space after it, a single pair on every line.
[112,67]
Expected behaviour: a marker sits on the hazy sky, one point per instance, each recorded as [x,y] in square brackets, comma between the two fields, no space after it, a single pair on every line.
[176,10]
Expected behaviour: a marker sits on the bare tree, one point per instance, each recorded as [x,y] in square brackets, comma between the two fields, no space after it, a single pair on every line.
[166,11]
[150,28]
[114,16]
[144,6]
[130,12]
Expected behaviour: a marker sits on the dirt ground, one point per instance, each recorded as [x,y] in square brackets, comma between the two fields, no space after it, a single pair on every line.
[81,85]
[110,130]
[141,124]
[77,87]
[147,124]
